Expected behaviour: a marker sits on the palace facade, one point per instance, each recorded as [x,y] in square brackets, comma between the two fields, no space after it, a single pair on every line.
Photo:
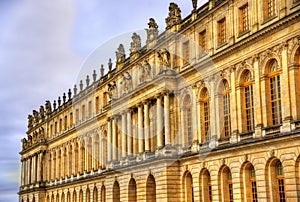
[208,110]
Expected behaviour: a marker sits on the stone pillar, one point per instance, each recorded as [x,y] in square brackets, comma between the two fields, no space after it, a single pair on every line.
[159,123]
[199,121]
[140,128]
[294,86]
[147,126]
[257,102]
[33,168]
[39,170]
[235,110]
[114,140]
[109,141]
[167,118]
[182,123]
[123,132]
[129,133]
[22,172]
[285,92]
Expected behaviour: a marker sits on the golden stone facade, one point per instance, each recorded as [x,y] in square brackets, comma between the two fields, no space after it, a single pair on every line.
[208,110]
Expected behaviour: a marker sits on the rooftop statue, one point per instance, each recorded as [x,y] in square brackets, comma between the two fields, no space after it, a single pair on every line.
[35,116]
[30,121]
[120,54]
[174,17]
[152,32]
[136,43]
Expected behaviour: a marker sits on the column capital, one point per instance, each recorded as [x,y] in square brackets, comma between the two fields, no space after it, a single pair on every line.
[158,95]
[108,119]
[166,92]
[145,102]
[140,104]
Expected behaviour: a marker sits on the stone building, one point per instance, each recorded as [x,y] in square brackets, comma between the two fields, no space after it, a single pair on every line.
[208,110]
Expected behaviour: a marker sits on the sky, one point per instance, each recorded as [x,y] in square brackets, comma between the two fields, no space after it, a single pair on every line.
[44,46]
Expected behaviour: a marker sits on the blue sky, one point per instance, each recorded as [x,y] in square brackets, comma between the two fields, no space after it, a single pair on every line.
[43,45]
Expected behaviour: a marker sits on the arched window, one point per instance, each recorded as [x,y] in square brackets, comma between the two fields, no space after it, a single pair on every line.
[68,197]
[81,196]
[70,160]
[88,195]
[275,93]
[205,114]
[249,183]
[226,109]
[76,158]
[277,181]
[57,197]
[151,189]
[280,182]
[59,164]
[248,105]
[188,187]
[95,194]
[82,153]
[63,197]
[103,195]
[296,92]
[116,192]
[74,196]
[205,186]
[225,182]
[132,191]
[54,166]
[187,114]
[89,154]
[50,166]
[96,146]
[65,162]
[104,149]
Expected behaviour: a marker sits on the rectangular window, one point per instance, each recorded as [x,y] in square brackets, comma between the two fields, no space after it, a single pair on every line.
[83,113]
[202,42]
[222,31]
[90,109]
[51,130]
[77,115]
[60,125]
[66,123]
[104,99]
[97,105]
[55,127]
[244,18]
[71,119]
[186,53]
[270,8]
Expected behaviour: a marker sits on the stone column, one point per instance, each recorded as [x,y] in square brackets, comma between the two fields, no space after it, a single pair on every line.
[33,168]
[22,172]
[123,133]
[140,128]
[235,109]
[285,92]
[167,118]
[39,162]
[146,126]
[114,140]
[183,139]
[159,123]
[199,121]
[256,94]
[129,133]
[109,141]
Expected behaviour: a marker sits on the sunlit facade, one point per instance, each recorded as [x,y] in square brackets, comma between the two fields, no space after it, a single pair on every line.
[208,110]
